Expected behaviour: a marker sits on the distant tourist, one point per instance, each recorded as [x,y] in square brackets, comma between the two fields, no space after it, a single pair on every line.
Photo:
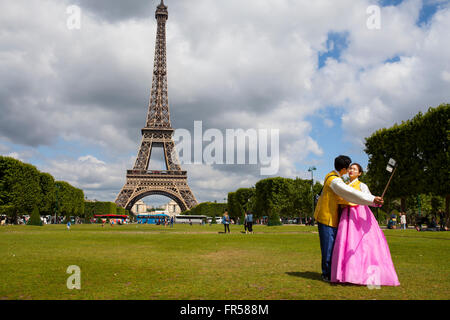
[68,225]
[249,222]
[226,222]
[171,222]
[403,220]
[245,222]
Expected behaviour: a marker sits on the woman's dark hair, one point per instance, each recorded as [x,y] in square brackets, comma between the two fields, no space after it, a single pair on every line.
[359,167]
[342,162]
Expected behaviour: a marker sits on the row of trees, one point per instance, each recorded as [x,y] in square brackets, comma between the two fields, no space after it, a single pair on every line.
[274,198]
[420,147]
[23,188]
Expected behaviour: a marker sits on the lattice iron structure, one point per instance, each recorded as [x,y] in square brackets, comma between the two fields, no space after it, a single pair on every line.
[158,132]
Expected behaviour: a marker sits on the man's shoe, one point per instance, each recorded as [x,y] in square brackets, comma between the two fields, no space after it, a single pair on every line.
[325,278]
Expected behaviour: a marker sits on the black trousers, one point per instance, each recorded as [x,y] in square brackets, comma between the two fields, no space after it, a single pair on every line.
[227,226]
[250,226]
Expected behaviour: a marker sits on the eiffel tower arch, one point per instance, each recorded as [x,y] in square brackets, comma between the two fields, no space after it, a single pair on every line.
[158,132]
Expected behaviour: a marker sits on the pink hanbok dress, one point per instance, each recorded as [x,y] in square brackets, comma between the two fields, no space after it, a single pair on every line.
[361,254]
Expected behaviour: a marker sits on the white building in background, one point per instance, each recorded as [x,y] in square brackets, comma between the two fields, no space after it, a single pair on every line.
[172,208]
[140,207]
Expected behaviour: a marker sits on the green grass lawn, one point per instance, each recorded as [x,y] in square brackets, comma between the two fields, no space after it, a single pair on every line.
[153,262]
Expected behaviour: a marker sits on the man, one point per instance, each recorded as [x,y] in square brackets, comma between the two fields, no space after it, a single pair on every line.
[336,192]
[249,222]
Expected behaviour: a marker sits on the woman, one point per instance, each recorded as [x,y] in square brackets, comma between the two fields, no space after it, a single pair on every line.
[226,222]
[361,254]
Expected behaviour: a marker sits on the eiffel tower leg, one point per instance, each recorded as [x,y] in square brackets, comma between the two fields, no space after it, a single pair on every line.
[124,196]
[188,198]
[171,156]
[144,154]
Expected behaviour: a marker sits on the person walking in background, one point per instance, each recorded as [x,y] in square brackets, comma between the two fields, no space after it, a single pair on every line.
[171,222]
[403,221]
[245,222]
[249,222]
[68,225]
[226,222]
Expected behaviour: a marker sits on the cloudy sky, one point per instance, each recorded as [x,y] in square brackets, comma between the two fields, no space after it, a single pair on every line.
[73,101]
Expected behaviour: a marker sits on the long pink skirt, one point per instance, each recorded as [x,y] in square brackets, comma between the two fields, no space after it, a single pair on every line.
[361,254]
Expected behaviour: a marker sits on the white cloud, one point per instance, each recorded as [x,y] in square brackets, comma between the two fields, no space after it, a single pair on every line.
[98,179]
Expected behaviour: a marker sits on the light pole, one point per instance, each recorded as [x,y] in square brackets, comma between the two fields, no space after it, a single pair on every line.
[311,169]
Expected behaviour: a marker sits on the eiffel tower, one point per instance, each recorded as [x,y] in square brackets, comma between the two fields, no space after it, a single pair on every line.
[158,132]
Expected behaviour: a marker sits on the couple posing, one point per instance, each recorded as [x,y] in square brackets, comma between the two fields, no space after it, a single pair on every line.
[354,249]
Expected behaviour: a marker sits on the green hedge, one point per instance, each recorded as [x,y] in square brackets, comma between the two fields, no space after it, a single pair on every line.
[210,209]
[121,211]
[99,207]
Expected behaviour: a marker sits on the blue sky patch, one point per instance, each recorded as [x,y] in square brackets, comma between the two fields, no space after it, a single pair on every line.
[388,3]
[336,43]
[427,12]
[331,138]
[393,59]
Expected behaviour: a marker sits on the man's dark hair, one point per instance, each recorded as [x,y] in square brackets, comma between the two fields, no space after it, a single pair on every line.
[342,162]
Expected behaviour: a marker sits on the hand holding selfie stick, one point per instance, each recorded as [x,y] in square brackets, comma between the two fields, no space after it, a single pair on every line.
[391,167]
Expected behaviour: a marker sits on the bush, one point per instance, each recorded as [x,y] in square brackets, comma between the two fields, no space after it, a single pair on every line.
[35,218]
[274,220]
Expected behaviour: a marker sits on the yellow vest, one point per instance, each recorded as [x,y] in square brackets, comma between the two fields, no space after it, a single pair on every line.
[327,210]
[356,185]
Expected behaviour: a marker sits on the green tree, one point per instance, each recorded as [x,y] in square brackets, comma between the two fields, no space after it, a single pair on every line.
[301,202]
[19,185]
[420,146]
[35,218]
[272,195]
[70,200]
[48,193]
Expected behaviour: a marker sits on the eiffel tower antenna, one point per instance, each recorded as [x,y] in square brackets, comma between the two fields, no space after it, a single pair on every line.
[158,132]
